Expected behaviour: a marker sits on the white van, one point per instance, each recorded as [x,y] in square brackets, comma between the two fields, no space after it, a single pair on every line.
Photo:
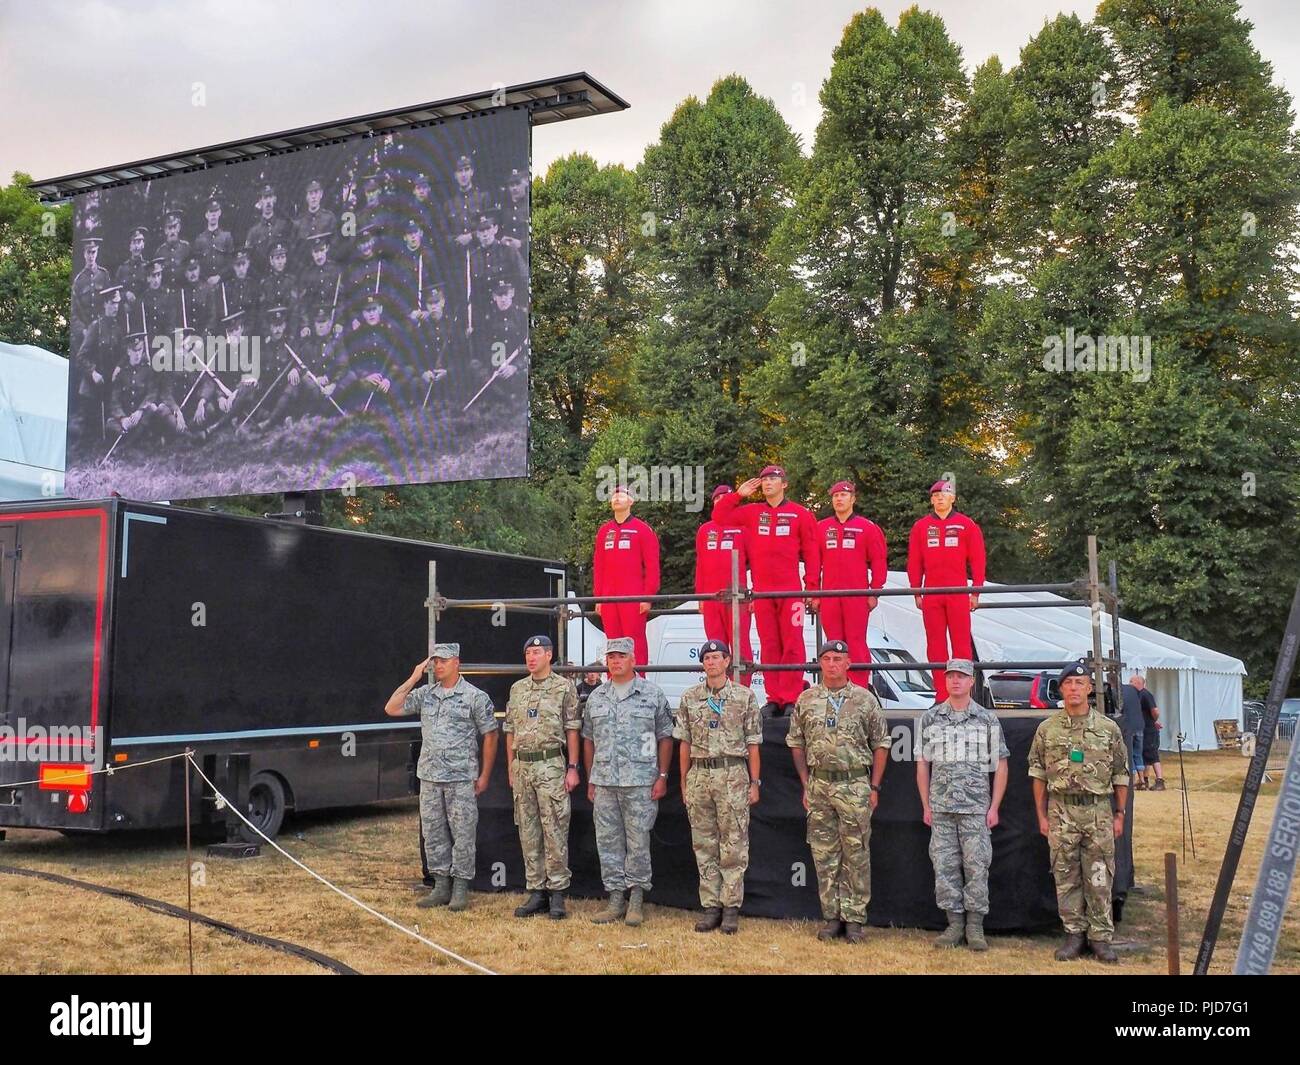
[675,640]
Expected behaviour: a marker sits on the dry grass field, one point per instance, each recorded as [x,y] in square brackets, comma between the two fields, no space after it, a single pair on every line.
[51,929]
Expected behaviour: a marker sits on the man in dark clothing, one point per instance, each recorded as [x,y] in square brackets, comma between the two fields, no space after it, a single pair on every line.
[590,681]
[1150,737]
[1133,724]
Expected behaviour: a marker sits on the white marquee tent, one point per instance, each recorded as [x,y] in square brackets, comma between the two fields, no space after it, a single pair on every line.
[1193,685]
[33,420]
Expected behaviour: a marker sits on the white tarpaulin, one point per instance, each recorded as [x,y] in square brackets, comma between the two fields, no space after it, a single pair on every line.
[1193,685]
[33,422]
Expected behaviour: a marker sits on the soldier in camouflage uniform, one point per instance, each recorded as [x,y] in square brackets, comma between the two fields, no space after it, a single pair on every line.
[959,744]
[840,744]
[541,729]
[627,731]
[1077,760]
[720,727]
[453,714]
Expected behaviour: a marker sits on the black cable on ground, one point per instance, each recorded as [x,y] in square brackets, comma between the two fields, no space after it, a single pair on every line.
[166,908]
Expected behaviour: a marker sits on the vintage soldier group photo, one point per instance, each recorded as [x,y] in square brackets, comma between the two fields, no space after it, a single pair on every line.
[366,301]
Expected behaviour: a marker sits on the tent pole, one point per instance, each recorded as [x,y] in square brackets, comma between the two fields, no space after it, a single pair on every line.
[1094,597]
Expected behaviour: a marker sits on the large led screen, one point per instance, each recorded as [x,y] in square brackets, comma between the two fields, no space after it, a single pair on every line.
[335,316]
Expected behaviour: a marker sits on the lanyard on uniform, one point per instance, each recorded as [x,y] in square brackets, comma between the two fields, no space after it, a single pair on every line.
[716,705]
[1076,745]
[836,703]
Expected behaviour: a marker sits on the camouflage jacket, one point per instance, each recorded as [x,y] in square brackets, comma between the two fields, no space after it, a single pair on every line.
[451,721]
[540,712]
[710,733]
[963,748]
[842,737]
[626,733]
[1079,755]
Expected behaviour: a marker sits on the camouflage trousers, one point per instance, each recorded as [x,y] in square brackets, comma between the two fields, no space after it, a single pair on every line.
[542,815]
[624,818]
[1082,844]
[961,851]
[717,804]
[449,821]
[839,835]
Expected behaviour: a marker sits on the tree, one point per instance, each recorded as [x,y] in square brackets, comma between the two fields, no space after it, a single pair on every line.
[717,184]
[876,377]
[588,294]
[35,268]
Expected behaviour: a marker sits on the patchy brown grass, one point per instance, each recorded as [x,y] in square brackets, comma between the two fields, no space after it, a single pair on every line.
[369,853]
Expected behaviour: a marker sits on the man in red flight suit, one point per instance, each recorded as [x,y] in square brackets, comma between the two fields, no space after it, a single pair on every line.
[714,543]
[942,545]
[853,556]
[625,562]
[778,533]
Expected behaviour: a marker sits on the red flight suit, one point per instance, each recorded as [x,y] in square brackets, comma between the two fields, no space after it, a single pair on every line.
[938,554]
[714,542]
[626,562]
[854,555]
[776,538]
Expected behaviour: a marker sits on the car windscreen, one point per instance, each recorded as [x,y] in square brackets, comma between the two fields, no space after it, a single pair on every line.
[906,680]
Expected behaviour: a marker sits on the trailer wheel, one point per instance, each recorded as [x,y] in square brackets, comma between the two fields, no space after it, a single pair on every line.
[266,806]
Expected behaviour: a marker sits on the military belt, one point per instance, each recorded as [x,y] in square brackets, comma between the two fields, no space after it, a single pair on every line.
[1076,798]
[838,774]
[719,762]
[539,756]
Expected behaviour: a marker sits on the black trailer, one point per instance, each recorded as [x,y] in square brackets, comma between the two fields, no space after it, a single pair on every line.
[138,630]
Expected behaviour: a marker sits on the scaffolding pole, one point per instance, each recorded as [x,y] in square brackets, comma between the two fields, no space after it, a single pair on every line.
[735,595]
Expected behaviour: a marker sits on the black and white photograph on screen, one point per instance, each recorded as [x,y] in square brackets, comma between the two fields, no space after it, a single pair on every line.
[336,316]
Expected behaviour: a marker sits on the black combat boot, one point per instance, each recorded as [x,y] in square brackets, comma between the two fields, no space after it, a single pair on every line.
[1103,952]
[854,932]
[558,912]
[535,903]
[730,920]
[1071,948]
[832,929]
[711,919]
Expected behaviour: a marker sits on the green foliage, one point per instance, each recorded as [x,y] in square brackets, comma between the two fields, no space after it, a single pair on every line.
[35,268]
[588,295]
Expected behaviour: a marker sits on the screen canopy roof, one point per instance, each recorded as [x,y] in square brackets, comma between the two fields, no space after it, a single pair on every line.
[550,100]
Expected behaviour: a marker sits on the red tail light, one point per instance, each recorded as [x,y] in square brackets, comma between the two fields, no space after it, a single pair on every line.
[78,802]
[1036,699]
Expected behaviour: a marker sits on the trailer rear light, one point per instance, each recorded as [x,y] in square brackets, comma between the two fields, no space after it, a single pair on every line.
[60,776]
[78,802]
[119,758]
[313,744]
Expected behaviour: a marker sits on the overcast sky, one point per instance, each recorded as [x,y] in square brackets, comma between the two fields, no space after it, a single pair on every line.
[86,84]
